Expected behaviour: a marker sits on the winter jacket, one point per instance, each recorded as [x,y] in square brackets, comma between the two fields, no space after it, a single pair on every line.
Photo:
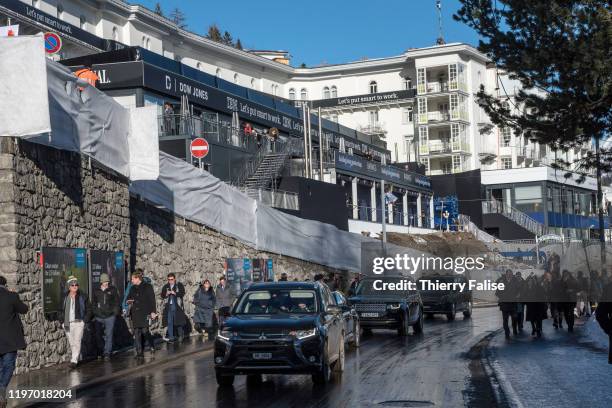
[224,296]
[143,305]
[11,334]
[507,297]
[604,316]
[105,302]
[205,303]
[82,309]
[180,319]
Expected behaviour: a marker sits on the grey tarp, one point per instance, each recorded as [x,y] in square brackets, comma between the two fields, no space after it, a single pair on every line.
[197,195]
[88,121]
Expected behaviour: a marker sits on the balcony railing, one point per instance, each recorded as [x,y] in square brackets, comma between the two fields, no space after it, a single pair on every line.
[190,126]
[377,128]
[438,116]
[437,87]
[439,147]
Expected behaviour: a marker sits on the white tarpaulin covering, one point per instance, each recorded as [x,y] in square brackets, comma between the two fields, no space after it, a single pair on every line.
[144,143]
[24,107]
[197,195]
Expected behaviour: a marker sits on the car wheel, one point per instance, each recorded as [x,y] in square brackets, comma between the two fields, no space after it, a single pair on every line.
[403,330]
[468,313]
[418,326]
[357,335]
[324,375]
[225,380]
[451,315]
[253,379]
[339,364]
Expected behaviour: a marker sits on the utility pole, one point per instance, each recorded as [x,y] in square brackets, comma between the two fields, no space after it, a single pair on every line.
[384,216]
[320,147]
[305,140]
[600,211]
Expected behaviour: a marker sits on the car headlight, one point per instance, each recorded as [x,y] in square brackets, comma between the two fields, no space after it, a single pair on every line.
[225,334]
[393,306]
[304,334]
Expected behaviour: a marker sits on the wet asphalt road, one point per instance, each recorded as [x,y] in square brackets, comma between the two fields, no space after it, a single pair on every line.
[435,369]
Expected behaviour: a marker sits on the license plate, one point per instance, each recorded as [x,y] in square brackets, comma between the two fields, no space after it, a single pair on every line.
[262,356]
[369,314]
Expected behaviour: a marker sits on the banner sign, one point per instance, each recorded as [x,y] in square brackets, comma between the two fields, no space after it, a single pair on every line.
[23,11]
[381,97]
[242,272]
[111,263]
[57,265]
[362,167]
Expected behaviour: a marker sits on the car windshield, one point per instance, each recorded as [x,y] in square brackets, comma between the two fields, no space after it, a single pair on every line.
[380,287]
[274,301]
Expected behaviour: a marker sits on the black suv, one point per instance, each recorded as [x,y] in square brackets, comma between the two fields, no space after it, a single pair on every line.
[380,307]
[447,302]
[281,327]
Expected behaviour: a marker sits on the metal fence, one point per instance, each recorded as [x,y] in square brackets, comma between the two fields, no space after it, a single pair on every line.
[274,198]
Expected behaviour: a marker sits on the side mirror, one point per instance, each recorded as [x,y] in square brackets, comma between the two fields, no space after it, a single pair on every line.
[334,309]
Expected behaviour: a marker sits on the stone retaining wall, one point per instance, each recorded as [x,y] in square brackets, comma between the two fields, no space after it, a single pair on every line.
[50,197]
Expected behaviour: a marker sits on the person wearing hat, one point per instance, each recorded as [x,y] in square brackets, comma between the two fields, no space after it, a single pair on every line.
[105,309]
[75,314]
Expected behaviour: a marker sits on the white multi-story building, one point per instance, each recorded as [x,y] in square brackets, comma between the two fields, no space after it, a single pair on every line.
[440,126]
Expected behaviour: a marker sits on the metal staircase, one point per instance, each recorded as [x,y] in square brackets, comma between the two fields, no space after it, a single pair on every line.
[518,217]
[266,166]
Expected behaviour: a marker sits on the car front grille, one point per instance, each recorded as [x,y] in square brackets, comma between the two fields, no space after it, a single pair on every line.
[263,334]
[371,307]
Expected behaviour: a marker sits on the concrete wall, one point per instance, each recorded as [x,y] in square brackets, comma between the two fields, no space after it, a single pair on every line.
[56,198]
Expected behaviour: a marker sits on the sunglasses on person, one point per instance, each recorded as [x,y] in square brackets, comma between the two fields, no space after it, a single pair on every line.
[74,284]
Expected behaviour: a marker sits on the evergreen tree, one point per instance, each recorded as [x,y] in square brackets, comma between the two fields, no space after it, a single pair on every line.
[560,51]
[214,33]
[227,39]
[178,18]
[158,10]
[238,44]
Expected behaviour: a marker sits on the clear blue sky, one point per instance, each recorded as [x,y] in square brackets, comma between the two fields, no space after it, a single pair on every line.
[329,31]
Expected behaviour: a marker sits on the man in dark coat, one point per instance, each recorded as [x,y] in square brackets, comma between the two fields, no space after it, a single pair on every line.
[173,315]
[507,302]
[604,316]
[224,299]
[570,288]
[105,309]
[141,301]
[204,315]
[11,334]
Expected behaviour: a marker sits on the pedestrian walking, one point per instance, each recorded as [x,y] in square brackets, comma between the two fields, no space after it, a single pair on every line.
[507,302]
[283,277]
[105,309]
[557,296]
[174,317]
[535,296]
[11,334]
[520,294]
[570,288]
[142,311]
[224,299]
[603,315]
[204,316]
[76,313]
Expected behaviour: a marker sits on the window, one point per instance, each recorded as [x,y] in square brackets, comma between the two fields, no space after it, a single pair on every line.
[83,23]
[373,87]
[292,94]
[528,199]
[406,116]
[303,94]
[506,137]
[334,91]
[456,163]
[326,92]
[373,115]
[506,163]
[407,83]
[236,80]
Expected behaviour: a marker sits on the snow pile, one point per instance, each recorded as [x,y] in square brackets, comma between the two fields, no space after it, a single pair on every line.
[594,334]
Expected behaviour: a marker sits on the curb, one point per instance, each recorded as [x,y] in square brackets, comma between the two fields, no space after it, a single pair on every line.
[505,395]
[123,373]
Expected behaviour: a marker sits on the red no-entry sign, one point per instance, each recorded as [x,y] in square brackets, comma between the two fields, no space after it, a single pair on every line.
[199,148]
